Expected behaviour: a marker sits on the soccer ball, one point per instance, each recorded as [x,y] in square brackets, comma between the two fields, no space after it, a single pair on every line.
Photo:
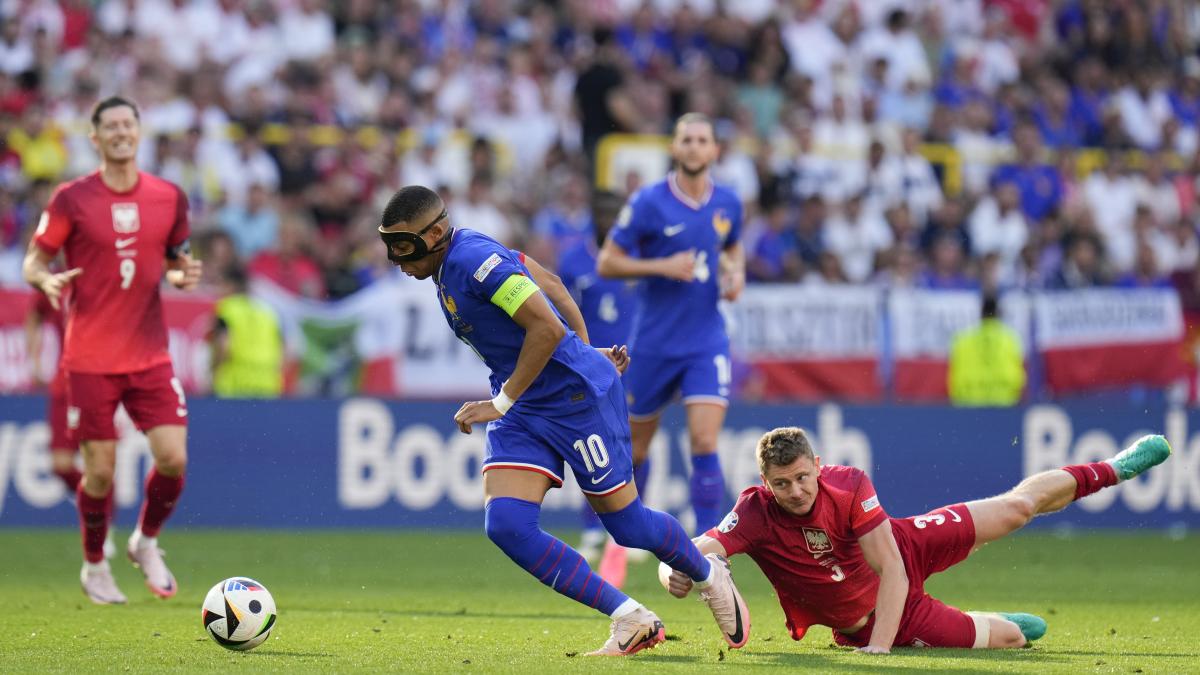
[239,613]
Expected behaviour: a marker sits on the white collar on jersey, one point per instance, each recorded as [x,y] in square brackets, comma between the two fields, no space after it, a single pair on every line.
[682,196]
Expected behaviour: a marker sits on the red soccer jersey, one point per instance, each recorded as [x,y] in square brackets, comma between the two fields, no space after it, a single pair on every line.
[814,562]
[120,240]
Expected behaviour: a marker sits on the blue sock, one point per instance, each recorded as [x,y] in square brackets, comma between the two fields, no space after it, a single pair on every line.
[589,518]
[708,491]
[636,526]
[512,524]
[641,477]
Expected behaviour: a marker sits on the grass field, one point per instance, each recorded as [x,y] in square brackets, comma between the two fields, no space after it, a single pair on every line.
[451,602]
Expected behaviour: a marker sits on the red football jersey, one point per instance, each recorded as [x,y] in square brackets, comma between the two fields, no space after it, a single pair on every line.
[120,240]
[814,562]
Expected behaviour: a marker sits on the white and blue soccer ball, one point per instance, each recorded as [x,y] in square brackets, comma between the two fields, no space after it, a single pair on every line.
[239,613]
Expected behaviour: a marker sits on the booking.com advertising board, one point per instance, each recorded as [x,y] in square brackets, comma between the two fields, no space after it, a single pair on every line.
[372,463]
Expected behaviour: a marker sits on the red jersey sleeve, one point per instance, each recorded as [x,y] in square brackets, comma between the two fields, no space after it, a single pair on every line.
[742,528]
[866,513]
[55,224]
[181,229]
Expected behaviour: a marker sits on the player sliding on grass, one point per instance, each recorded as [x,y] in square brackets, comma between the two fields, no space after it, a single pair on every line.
[556,400]
[821,537]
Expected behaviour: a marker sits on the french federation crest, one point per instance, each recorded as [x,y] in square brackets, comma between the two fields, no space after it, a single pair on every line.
[817,540]
[451,306]
[125,218]
[721,223]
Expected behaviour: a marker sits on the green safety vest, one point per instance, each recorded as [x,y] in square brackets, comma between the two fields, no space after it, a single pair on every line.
[255,364]
[986,366]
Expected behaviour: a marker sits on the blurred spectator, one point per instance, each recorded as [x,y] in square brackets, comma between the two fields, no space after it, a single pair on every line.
[253,226]
[997,225]
[288,264]
[1082,266]
[1038,182]
[946,266]
[773,249]
[1145,272]
[986,367]
[246,343]
[477,210]
[39,145]
[856,235]
[562,224]
[603,104]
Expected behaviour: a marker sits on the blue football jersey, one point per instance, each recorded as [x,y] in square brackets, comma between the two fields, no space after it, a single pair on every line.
[474,277]
[607,305]
[676,318]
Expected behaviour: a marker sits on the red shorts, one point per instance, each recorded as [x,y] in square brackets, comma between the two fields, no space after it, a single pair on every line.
[152,397]
[928,544]
[61,437]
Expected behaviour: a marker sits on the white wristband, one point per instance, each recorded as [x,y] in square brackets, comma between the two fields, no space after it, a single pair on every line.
[502,402]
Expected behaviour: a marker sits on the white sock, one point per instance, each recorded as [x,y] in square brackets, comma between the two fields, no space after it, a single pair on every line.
[708,581]
[101,566]
[625,608]
[1112,462]
[141,541]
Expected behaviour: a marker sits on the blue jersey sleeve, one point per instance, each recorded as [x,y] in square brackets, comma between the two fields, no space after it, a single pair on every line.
[489,267]
[632,223]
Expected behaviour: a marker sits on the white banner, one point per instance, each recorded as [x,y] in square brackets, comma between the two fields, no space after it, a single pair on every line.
[924,322]
[806,322]
[398,321]
[1108,316]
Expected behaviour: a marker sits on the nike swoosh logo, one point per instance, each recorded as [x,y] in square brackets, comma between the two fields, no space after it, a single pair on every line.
[1095,475]
[624,646]
[672,230]
[957,518]
[596,481]
[122,243]
[736,635]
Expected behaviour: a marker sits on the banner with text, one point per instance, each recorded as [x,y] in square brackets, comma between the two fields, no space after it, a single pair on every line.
[810,343]
[368,463]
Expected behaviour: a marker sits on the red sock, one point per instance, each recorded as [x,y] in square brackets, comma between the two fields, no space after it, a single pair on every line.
[1090,478]
[161,494]
[70,478]
[93,522]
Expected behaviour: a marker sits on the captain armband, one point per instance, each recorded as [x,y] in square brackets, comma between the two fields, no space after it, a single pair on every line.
[513,293]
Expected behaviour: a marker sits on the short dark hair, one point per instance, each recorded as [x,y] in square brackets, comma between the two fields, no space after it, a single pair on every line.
[991,306]
[112,102]
[409,202]
[782,446]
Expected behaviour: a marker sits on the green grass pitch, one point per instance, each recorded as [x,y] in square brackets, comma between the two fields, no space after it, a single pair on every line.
[436,601]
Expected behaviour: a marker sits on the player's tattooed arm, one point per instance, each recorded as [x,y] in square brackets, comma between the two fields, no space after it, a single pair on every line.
[616,263]
[883,555]
[36,270]
[680,584]
[554,289]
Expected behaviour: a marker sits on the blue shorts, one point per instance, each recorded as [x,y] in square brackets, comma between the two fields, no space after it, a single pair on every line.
[590,435]
[654,381]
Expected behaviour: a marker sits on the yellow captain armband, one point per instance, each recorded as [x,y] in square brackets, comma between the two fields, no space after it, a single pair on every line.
[513,293]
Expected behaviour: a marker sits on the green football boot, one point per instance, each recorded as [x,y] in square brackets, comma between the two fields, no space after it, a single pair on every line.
[1032,627]
[1146,452]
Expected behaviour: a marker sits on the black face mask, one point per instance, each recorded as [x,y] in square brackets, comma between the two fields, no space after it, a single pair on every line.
[411,242]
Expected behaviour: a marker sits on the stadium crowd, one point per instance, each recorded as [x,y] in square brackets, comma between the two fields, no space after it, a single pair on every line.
[933,143]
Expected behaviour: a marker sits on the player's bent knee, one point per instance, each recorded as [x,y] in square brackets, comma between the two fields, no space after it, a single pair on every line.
[1005,635]
[172,465]
[508,522]
[98,481]
[62,461]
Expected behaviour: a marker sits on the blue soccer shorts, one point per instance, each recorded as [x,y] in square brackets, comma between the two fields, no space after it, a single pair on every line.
[654,381]
[590,435]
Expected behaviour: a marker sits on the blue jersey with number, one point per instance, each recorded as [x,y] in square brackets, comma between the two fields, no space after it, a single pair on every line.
[475,269]
[607,305]
[678,318]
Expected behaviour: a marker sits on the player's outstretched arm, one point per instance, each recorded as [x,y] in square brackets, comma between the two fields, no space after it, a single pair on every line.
[883,555]
[36,270]
[615,262]
[543,332]
[679,584]
[553,287]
